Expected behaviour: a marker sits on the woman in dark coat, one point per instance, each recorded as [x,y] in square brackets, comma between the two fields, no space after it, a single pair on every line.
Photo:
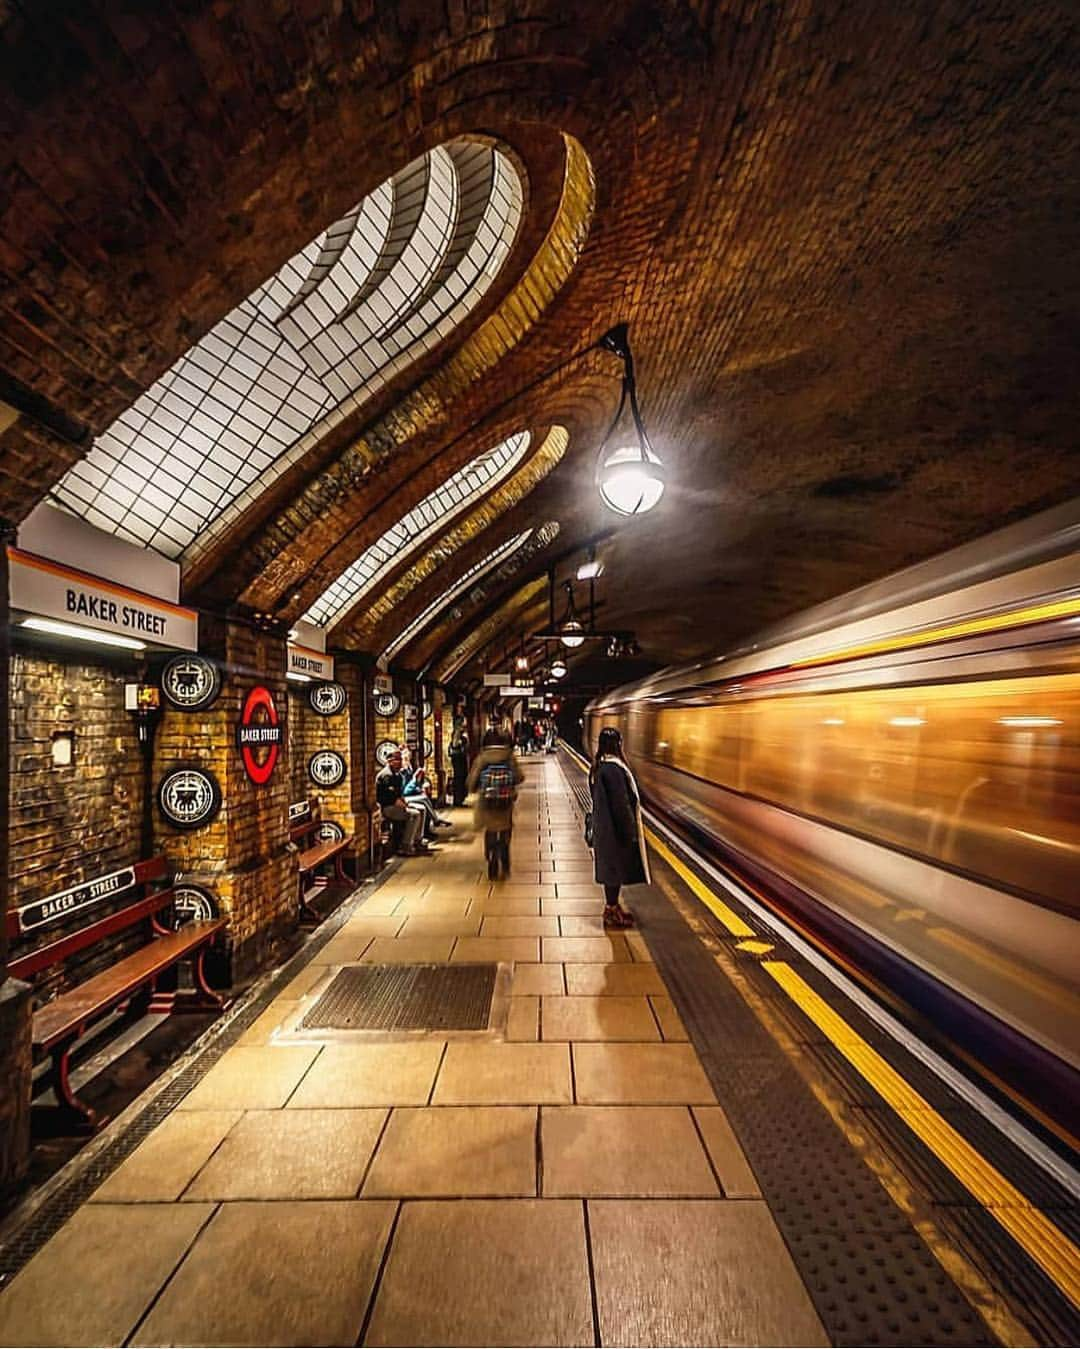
[618,843]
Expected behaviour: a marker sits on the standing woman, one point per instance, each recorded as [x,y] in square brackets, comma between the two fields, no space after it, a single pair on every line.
[459,759]
[618,835]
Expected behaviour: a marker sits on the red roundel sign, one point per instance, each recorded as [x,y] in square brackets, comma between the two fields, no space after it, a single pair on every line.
[259,735]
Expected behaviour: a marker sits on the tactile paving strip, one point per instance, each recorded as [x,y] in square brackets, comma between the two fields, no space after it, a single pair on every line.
[406,997]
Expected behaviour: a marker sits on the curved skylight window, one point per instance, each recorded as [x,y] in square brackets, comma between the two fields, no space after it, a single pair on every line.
[426,518]
[386,282]
[421,621]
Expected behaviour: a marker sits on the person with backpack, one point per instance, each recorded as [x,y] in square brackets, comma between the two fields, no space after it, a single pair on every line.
[494,777]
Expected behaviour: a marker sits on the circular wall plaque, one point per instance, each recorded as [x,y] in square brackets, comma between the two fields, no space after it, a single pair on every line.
[386,704]
[429,748]
[383,750]
[188,796]
[190,682]
[327,699]
[193,904]
[326,768]
[330,831]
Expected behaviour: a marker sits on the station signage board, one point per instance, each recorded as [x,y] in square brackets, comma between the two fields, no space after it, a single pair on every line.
[305,660]
[52,590]
[64,902]
[384,683]
[517,691]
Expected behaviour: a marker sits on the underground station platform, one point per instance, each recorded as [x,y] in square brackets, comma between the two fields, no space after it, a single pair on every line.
[464,1113]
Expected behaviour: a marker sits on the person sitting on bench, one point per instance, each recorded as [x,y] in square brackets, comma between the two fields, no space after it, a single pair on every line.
[417,795]
[389,792]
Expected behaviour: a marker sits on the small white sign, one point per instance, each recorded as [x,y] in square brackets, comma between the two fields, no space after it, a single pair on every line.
[496,681]
[306,661]
[384,683]
[516,691]
[51,590]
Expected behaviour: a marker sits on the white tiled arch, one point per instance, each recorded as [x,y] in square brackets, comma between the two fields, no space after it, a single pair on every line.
[388,281]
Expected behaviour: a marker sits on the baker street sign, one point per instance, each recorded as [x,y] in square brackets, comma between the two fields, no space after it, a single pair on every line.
[56,906]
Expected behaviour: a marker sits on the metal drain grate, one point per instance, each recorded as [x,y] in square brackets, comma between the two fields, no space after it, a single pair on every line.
[406,997]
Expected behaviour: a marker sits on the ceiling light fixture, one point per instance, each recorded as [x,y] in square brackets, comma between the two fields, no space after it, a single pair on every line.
[558,668]
[82,634]
[630,477]
[571,629]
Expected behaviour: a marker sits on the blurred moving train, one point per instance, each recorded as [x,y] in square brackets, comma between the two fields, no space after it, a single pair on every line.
[899,769]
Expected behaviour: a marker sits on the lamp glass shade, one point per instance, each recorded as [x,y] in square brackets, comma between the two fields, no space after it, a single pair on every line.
[631,480]
[558,669]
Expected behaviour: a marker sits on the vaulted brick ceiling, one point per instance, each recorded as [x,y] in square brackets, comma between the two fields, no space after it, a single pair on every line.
[843,235]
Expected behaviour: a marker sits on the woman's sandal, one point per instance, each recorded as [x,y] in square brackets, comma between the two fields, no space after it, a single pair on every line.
[615,916]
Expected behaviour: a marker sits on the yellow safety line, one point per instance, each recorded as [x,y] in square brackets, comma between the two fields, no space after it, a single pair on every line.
[730,919]
[1047,1245]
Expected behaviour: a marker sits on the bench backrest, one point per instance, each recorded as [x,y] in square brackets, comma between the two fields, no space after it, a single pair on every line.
[54,952]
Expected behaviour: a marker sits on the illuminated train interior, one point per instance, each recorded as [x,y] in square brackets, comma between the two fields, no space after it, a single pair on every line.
[908,784]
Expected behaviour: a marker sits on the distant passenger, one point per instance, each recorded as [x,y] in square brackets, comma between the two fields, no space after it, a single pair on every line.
[459,758]
[494,777]
[389,792]
[618,842]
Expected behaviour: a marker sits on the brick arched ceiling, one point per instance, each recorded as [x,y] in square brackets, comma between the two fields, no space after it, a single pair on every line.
[842,233]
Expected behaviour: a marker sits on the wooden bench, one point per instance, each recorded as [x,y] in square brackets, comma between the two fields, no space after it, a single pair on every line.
[59,1024]
[315,853]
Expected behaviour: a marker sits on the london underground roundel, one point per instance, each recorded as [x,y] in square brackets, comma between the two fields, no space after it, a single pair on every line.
[258,736]
[326,768]
[329,831]
[193,904]
[188,796]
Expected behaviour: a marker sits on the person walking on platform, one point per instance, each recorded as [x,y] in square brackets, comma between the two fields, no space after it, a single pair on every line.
[494,777]
[459,759]
[618,835]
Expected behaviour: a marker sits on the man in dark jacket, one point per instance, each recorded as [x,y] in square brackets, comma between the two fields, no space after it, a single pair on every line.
[390,794]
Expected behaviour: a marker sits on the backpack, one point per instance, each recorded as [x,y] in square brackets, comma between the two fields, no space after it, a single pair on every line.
[496,784]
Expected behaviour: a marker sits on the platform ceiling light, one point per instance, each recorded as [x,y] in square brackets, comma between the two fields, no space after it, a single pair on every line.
[630,476]
[571,629]
[558,668]
[81,634]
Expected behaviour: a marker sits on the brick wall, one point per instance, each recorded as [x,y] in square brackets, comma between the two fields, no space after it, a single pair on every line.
[68,825]
[308,733]
[243,855]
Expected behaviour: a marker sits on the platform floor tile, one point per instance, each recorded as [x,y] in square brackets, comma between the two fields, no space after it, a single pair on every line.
[612,980]
[353,1075]
[537,980]
[252,1078]
[275,1274]
[456,1151]
[523,1019]
[640,1074]
[291,1154]
[512,1272]
[504,1074]
[497,949]
[587,950]
[696,1272]
[671,1026]
[727,1156]
[599,1018]
[409,950]
[163,1165]
[612,1150]
[96,1277]
[518,925]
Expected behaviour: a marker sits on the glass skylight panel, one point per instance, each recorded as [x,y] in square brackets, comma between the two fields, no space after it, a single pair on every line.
[415,528]
[474,573]
[347,313]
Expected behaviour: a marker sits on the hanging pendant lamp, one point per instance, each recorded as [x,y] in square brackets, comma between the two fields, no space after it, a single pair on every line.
[630,475]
